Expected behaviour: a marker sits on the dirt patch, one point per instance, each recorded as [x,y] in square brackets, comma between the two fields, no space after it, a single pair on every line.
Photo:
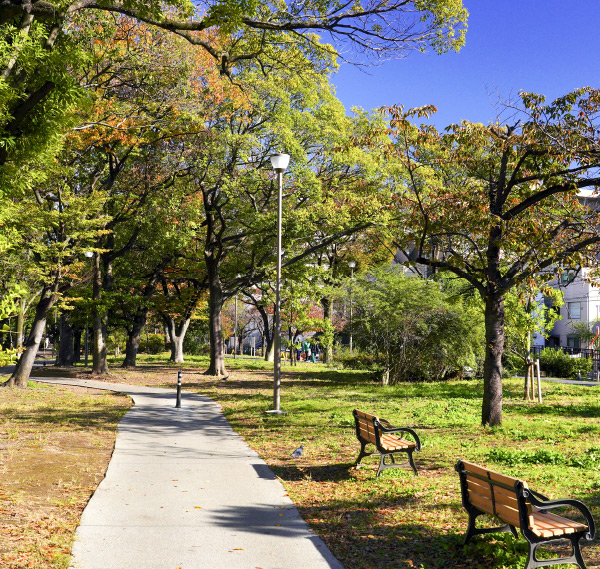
[55,445]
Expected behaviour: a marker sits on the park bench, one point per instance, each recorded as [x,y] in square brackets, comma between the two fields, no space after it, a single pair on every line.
[512,502]
[387,440]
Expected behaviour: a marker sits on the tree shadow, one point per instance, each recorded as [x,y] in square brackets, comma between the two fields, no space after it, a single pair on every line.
[329,473]
[371,541]
[557,410]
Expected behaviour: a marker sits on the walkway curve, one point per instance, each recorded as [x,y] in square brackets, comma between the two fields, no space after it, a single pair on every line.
[183,490]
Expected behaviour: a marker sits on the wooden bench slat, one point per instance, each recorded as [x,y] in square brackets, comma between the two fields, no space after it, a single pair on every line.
[368,434]
[513,504]
[393,442]
[547,525]
[495,476]
[500,494]
[508,515]
[505,513]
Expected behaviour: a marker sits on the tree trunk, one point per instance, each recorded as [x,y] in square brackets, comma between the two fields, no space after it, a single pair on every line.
[21,322]
[65,354]
[99,361]
[292,351]
[76,344]
[134,336]
[491,413]
[99,324]
[268,346]
[177,334]
[215,307]
[24,366]
[328,349]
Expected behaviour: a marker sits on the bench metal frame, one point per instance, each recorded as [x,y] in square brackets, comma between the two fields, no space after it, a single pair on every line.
[526,498]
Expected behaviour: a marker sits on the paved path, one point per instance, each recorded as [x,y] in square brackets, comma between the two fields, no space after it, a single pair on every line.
[183,490]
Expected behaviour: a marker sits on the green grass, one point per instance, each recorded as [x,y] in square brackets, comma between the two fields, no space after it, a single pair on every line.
[399,519]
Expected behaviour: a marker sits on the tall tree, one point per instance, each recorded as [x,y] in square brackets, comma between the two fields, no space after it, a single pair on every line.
[146,82]
[55,222]
[500,205]
[323,198]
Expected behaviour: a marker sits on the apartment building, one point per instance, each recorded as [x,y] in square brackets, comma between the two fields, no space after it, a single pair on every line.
[581,306]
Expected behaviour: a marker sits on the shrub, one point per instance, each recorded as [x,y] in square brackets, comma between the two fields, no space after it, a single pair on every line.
[515,457]
[155,344]
[558,364]
[355,359]
[413,330]
[512,365]
[195,345]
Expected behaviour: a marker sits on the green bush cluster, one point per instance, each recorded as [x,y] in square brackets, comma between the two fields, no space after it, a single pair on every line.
[356,359]
[195,345]
[589,461]
[558,364]
[154,344]
[414,329]
[512,365]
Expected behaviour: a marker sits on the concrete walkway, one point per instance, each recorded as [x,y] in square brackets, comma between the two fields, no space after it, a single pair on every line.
[183,490]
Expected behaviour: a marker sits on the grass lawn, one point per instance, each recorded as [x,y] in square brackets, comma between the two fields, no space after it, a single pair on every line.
[399,520]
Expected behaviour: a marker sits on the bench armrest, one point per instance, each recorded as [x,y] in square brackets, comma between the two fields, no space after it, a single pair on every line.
[389,429]
[553,504]
[538,495]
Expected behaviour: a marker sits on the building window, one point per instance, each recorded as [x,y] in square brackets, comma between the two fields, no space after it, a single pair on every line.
[574,309]
[573,342]
[567,278]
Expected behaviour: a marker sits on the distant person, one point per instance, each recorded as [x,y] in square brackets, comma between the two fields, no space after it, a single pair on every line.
[306,349]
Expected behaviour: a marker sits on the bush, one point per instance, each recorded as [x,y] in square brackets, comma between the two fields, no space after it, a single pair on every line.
[155,344]
[355,359]
[513,365]
[413,329]
[195,345]
[515,457]
[558,364]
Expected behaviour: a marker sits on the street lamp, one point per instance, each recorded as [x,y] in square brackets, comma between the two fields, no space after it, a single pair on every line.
[279,162]
[351,264]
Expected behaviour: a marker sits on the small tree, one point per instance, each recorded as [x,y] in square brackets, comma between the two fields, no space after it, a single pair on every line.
[526,315]
[585,332]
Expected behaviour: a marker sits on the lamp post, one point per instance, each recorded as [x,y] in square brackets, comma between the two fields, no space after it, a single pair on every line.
[351,264]
[279,162]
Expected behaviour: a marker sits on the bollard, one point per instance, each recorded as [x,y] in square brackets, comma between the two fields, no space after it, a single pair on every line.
[178,404]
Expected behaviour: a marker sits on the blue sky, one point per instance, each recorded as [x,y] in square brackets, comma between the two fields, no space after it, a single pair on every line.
[546,46]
